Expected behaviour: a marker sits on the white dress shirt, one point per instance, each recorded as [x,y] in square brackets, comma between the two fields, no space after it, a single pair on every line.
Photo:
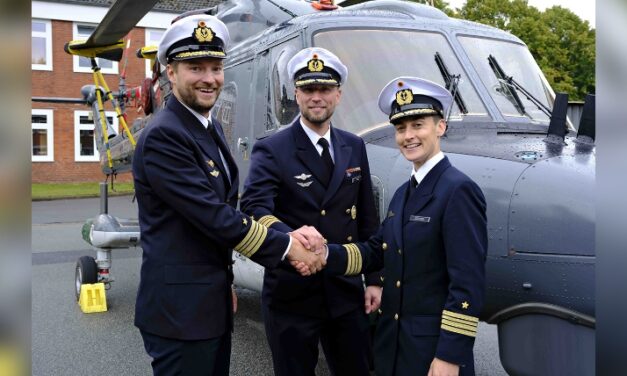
[420,174]
[314,137]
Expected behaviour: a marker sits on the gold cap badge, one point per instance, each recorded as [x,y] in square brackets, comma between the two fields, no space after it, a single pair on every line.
[202,33]
[315,64]
[404,97]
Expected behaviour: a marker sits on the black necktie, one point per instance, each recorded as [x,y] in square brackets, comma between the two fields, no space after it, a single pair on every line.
[326,160]
[413,184]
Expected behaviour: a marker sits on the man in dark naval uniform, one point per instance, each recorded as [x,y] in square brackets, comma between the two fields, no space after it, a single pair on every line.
[315,174]
[186,184]
[433,243]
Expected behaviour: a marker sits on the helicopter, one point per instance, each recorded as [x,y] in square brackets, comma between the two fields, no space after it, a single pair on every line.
[507,130]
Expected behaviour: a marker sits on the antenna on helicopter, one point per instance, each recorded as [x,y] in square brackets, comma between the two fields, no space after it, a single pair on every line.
[587,129]
[557,126]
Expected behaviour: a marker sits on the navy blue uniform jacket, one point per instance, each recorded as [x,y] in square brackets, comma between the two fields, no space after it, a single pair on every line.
[284,192]
[433,244]
[189,227]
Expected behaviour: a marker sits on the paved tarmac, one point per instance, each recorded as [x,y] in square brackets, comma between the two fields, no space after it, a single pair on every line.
[67,342]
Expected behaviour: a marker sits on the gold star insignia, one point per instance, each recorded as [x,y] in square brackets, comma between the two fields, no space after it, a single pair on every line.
[465,305]
[245,221]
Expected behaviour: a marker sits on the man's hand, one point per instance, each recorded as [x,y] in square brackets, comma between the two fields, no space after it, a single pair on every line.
[304,261]
[373,298]
[442,368]
[309,237]
[234,299]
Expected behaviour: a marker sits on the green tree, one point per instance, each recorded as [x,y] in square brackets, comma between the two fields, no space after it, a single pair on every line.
[575,37]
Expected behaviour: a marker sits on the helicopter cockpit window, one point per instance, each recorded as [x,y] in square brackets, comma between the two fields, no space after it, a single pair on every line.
[495,61]
[375,57]
[285,106]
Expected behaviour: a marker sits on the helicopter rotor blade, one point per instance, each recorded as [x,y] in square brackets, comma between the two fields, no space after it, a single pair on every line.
[119,20]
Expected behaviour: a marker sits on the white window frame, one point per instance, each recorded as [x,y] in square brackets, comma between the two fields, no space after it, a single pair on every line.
[49,127]
[149,43]
[77,67]
[78,127]
[48,36]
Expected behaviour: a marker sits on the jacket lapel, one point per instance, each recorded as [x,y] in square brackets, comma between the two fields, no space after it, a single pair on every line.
[342,153]
[227,156]
[306,152]
[198,131]
[424,192]
[398,212]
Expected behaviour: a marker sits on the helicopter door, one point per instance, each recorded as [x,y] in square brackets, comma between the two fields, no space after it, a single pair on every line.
[235,119]
[262,117]
[252,124]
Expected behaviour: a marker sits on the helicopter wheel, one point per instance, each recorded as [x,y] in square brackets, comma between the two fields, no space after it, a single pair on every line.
[86,272]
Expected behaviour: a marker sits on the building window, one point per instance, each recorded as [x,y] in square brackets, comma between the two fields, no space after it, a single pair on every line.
[83,64]
[153,36]
[41,44]
[42,148]
[85,148]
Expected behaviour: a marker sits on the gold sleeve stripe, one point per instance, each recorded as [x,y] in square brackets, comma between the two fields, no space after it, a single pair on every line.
[349,259]
[359,260]
[458,331]
[469,328]
[460,316]
[268,220]
[354,260]
[253,239]
[245,246]
[462,322]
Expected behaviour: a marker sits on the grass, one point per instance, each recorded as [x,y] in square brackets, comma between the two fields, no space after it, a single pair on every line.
[51,191]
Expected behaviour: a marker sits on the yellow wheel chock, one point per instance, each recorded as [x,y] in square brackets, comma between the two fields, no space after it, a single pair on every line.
[93,298]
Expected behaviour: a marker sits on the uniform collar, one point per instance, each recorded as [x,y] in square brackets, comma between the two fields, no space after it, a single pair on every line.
[313,136]
[203,120]
[427,166]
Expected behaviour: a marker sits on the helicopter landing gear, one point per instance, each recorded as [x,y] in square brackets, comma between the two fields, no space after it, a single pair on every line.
[86,272]
[89,270]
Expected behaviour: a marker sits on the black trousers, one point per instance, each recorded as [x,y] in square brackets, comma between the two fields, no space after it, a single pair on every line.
[294,338]
[211,357]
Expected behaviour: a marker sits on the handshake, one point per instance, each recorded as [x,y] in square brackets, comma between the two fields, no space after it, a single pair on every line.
[308,252]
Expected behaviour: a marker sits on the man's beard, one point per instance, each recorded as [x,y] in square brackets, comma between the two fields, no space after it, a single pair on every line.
[189,97]
[317,120]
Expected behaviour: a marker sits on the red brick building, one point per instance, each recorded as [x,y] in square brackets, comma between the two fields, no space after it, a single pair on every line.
[63,147]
